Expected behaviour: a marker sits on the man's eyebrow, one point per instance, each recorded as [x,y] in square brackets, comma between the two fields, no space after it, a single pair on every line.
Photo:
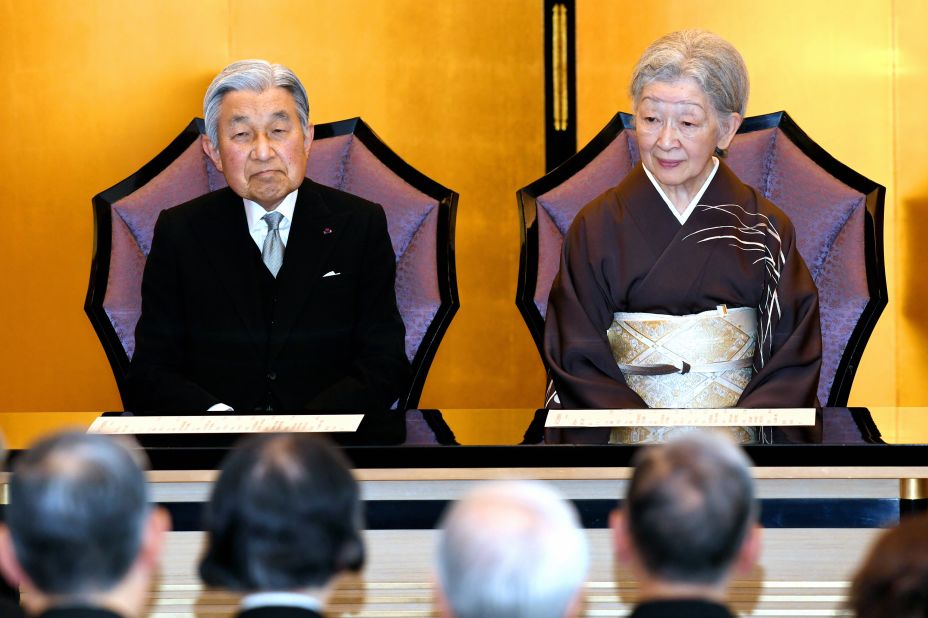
[237,119]
[281,115]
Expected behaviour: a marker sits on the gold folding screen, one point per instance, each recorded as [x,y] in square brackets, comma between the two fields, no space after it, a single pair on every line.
[93,89]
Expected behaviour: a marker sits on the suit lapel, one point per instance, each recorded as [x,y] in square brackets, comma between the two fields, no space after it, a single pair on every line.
[230,252]
[314,232]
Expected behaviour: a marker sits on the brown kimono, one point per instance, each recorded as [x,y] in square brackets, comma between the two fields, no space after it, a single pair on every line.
[625,251]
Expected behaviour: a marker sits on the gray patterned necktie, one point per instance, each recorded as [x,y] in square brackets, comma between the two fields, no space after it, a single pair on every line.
[273,251]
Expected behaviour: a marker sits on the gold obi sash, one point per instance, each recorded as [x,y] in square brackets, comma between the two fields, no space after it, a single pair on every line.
[702,360]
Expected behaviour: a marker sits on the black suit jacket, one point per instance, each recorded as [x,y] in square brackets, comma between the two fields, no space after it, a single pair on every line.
[78,612]
[10,609]
[681,608]
[209,333]
[278,612]
[9,595]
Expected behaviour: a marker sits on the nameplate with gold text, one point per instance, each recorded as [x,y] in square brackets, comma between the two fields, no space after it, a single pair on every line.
[682,417]
[264,423]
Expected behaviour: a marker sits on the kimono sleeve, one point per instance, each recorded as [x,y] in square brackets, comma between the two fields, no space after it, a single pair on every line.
[789,355]
[580,310]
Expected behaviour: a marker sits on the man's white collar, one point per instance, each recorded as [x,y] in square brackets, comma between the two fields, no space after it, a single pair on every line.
[254,211]
[281,599]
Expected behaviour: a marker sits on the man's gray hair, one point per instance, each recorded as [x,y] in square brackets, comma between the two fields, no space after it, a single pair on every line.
[707,58]
[255,76]
[78,503]
[689,507]
[512,550]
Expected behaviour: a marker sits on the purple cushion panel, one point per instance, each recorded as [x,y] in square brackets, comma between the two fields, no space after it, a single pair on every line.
[558,207]
[550,240]
[412,218]
[604,172]
[418,430]
[817,203]
[184,179]
[327,160]
[829,219]
[406,206]
[749,156]
[843,296]
[122,302]
[417,295]
[133,221]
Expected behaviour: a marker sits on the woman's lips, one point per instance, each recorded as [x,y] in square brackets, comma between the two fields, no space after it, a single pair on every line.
[669,165]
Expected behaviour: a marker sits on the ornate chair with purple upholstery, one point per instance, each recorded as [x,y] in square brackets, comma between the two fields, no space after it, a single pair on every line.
[838,214]
[346,155]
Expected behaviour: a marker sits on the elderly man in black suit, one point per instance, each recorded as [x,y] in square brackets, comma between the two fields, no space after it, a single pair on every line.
[689,523]
[81,538]
[275,293]
[284,521]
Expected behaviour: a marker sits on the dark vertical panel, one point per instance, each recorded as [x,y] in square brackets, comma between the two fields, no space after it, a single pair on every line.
[913,507]
[560,82]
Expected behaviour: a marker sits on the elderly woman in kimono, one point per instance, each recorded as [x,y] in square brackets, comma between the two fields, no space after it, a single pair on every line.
[682,287]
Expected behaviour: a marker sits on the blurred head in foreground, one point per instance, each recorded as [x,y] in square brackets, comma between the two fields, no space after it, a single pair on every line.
[511,550]
[79,527]
[285,515]
[690,519]
[893,580]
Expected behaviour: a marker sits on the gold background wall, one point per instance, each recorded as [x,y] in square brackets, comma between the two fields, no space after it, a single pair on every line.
[92,89]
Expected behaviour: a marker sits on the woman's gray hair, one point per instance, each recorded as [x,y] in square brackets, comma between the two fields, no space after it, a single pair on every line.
[256,76]
[709,59]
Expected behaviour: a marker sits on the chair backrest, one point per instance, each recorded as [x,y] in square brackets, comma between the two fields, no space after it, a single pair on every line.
[346,155]
[837,212]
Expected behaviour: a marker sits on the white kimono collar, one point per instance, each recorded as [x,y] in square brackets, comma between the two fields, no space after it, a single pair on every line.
[683,216]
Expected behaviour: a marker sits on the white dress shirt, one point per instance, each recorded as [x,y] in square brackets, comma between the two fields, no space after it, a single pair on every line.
[258,228]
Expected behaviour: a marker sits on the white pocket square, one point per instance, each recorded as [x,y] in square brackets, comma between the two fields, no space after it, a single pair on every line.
[331,273]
